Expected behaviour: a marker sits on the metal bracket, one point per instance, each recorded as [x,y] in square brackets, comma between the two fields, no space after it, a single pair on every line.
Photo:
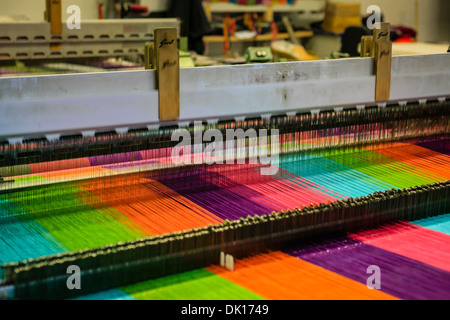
[43,105]
[97,38]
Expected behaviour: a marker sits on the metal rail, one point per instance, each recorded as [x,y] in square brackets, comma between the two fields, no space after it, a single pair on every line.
[96,38]
[46,105]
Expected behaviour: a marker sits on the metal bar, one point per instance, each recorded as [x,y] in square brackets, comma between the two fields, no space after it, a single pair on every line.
[76,103]
[31,40]
[72,50]
[91,31]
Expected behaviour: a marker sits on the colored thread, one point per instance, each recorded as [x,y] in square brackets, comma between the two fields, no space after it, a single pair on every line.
[417,243]
[141,254]
[151,205]
[254,273]
[21,238]
[201,188]
[441,146]
[279,192]
[114,294]
[383,168]
[439,224]
[401,277]
[80,227]
[278,276]
[196,285]
[140,207]
[433,165]
[335,176]
[113,209]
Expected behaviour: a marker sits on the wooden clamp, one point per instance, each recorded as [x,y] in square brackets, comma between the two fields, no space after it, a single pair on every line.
[366,47]
[53,14]
[382,53]
[166,60]
[150,56]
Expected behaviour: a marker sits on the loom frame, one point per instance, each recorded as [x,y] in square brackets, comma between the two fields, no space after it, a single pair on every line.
[52,105]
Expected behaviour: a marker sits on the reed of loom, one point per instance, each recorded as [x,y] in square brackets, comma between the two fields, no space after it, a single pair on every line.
[125,263]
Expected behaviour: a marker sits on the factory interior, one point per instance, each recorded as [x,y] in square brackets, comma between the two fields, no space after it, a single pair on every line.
[221,150]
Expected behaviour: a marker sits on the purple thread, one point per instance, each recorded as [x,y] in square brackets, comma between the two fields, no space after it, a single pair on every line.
[441,146]
[400,276]
[218,194]
[115,158]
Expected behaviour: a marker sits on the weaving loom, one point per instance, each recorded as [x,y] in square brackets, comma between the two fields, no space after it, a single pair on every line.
[88,180]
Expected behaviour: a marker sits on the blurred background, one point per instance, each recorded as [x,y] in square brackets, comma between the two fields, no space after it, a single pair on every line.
[217,32]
